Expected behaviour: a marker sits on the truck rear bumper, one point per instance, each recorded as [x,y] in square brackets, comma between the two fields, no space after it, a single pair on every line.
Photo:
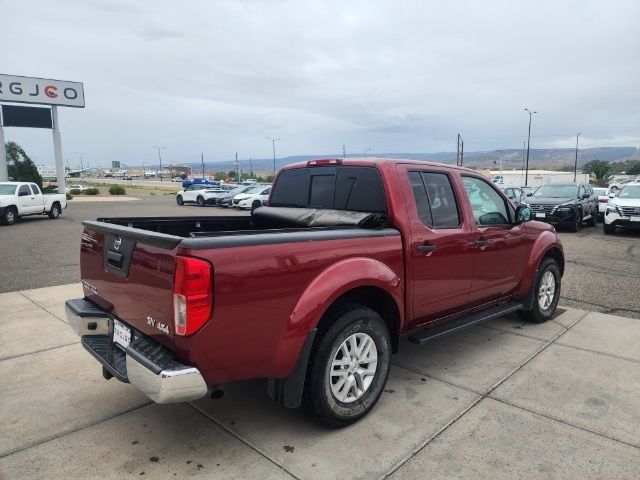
[144,363]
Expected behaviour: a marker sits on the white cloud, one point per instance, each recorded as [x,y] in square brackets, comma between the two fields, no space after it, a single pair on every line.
[218,76]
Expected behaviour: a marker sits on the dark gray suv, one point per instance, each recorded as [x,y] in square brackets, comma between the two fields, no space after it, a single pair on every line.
[565,205]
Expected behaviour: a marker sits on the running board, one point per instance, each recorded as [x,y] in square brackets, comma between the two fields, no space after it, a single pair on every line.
[454,326]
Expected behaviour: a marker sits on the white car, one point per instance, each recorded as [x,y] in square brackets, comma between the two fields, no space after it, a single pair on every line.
[623,209]
[19,199]
[176,179]
[252,199]
[603,199]
[68,188]
[202,194]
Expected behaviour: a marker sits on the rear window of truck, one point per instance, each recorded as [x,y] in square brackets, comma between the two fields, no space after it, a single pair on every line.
[340,188]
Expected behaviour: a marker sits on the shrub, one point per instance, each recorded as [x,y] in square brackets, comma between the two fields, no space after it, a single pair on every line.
[69,196]
[91,191]
[117,190]
[75,191]
[50,189]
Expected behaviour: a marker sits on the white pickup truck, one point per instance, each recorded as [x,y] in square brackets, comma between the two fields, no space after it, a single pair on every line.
[19,199]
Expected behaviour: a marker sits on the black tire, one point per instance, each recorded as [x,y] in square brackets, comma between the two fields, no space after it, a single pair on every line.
[55,212]
[10,216]
[319,399]
[179,200]
[577,222]
[255,204]
[609,229]
[537,314]
[200,201]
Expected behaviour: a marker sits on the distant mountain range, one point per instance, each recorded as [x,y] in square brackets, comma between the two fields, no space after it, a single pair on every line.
[550,158]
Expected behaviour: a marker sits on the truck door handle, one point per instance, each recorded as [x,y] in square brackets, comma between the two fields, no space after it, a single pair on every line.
[481,243]
[426,248]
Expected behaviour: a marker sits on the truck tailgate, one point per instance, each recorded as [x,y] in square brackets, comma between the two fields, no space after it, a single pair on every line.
[129,273]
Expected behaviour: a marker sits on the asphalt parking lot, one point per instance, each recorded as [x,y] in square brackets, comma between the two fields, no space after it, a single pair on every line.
[602,274]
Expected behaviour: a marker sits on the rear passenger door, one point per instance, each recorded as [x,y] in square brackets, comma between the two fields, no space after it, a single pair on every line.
[440,251]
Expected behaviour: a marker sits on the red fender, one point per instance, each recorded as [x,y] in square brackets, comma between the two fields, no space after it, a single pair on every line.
[320,294]
[545,241]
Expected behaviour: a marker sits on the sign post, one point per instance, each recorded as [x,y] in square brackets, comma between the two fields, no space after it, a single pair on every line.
[17,89]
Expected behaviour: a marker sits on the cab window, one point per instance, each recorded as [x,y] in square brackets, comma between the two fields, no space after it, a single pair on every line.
[435,200]
[488,206]
[35,189]
[24,191]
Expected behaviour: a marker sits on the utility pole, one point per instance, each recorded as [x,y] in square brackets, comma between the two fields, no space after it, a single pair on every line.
[344,151]
[526,173]
[522,170]
[273,143]
[575,167]
[160,160]
[81,163]
[202,160]
[251,165]
[458,150]
[461,151]
[500,161]
[237,168]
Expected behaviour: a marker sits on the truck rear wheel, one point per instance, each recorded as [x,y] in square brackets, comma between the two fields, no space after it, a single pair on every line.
[54,213]
[200,201]
[348,367]
[546,292]
[10,216]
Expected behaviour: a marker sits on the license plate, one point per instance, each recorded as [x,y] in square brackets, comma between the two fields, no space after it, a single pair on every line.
[540,215]
[121,334]
[635,219]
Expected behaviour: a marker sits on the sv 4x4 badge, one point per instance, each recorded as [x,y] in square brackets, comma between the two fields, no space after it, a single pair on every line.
[159,325]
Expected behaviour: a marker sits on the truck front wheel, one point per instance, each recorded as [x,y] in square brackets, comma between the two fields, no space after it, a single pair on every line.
[10,216]
[546,293]
[348,367]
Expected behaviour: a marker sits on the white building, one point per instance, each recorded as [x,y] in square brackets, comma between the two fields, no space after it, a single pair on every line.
[536,178]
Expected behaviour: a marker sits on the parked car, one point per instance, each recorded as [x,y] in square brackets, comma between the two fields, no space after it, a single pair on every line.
[565,204]
[190,194]
[176,179]
[616,185]
[68,188]
[515,194]
[20,199]
[623,209]
[256,199]
[226,200]
[200,181]
[603,199]
[255,190]
[498,179]
[211,196]
[314,291]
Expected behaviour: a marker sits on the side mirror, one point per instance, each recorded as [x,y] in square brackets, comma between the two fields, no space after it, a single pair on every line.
[585,196]
[530,194]
[612,195]
[523,214]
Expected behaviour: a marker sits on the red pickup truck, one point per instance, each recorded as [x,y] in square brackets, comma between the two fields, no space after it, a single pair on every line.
[313,291]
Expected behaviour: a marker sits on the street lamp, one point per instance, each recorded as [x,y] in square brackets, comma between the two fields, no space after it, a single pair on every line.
[526,174]
[575,167]
[365,152]
[81,163]
[160,160]
[273,143]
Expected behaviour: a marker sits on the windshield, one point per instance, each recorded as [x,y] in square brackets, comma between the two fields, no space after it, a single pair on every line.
[255,190]
[600,191]
[630,191]
[7,189]
[557,191]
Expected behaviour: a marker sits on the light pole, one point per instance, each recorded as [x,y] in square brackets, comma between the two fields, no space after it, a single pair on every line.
[365,152]
[526,173]
[160,160]
[273,144]
[81,162]
[251,166]
[500,161]
[575,166]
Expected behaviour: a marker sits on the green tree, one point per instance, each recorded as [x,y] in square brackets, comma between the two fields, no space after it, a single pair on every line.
[231,174]
[634,169]
[599,168]
[220,176]
[21,167]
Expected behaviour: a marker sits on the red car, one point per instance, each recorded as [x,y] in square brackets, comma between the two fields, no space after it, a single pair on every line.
[314,291]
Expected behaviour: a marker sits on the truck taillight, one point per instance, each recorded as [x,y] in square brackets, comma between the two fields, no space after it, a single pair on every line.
[192,295]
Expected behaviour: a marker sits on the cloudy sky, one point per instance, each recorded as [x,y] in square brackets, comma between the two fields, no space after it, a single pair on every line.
[395,76]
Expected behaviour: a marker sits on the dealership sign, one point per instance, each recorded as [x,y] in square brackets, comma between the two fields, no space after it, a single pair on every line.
[43,91]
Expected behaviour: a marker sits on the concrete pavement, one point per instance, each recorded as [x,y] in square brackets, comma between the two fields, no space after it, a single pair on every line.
[506,400]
